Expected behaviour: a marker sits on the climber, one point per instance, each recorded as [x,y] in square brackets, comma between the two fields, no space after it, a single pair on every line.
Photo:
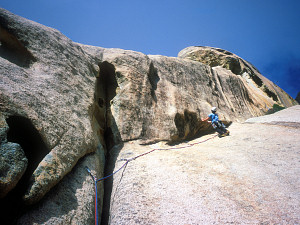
[216,123]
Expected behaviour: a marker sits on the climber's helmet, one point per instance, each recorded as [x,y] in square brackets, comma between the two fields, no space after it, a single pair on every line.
[213,109]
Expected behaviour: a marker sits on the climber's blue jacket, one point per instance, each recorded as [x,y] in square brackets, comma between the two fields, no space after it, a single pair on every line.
[213,117]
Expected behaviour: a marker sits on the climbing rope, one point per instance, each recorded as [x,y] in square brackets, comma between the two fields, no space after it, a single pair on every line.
[129,160]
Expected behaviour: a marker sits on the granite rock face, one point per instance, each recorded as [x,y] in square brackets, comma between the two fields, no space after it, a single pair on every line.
[72,200]
[13,161]
[263,92]
[63,101]
[47,92]
[164,98]
[249,177]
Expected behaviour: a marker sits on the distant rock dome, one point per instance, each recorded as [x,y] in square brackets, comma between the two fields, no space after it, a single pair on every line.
[298,97]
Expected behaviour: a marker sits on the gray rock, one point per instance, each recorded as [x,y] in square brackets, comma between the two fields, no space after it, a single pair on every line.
[265,92]
[288,116]
[249,177]
[12,167]
[53,89]
[72,201]
[13,161]
[298,97]
[154,94]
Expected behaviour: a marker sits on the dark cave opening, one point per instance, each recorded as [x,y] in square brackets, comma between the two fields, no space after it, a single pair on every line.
[22,131]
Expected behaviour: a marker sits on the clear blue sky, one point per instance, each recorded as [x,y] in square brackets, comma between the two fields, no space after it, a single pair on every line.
[263,32]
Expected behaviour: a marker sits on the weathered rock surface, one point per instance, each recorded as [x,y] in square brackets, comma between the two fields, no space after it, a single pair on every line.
[53,89]
[163,98]
[63,100]
[262,91]
[249,177]
[72,200]
[13,161]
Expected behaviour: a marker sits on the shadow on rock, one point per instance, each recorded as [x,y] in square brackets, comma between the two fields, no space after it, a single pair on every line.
[108,184]
[71,201]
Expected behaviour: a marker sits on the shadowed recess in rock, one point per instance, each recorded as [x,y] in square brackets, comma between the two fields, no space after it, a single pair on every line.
[22,131]
[188,126]
[105,90]
[13,50]
[153,79]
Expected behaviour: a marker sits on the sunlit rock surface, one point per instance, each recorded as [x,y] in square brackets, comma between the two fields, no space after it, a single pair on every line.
[249,177]
[263,92]
[64,101]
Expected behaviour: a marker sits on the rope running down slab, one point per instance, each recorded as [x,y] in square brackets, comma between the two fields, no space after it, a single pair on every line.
[129,160]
